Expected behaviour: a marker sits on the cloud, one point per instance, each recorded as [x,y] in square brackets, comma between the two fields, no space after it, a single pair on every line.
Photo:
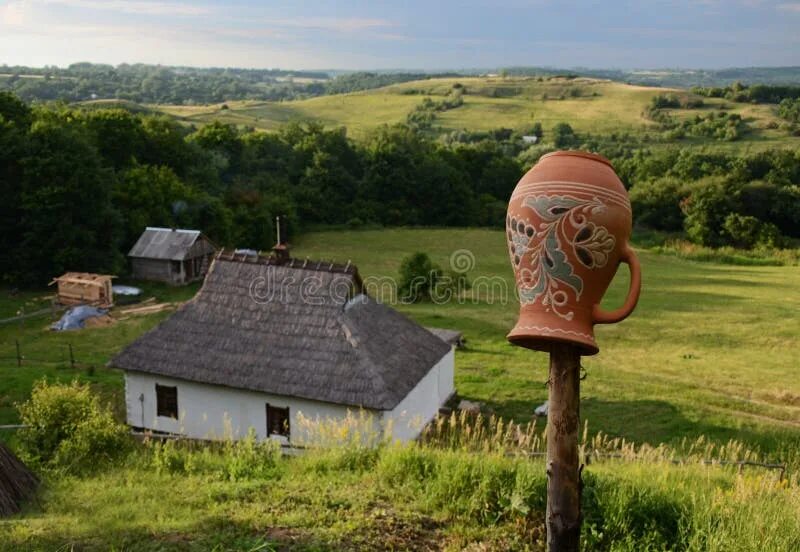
[13,14]
[141,7]
[337,24]
[791,7]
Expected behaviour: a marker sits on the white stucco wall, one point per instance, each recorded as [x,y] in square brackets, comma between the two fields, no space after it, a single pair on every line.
[218,412]
[422,404]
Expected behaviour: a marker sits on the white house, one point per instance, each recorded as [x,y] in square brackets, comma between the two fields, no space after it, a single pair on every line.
[270,342]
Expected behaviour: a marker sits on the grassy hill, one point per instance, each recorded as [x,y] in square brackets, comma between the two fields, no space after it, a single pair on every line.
[590,105]
[711,349]
[710,353]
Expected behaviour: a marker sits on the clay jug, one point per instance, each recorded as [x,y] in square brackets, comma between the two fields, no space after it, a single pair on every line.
[568,229]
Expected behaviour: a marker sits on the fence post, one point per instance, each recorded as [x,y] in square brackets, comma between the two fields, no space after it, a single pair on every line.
[71,357]
[563,515]
[19,355]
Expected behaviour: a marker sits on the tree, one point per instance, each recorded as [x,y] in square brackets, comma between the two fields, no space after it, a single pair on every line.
[117,134]
[657,203]
[418,278]
[151,196]
[747,232]
[423,280]
[709,202]
[15,120]
[564,136]
[67,218]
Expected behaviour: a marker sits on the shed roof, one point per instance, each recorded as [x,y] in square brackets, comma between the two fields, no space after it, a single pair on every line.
[299,329]
[172,244]
[83,278]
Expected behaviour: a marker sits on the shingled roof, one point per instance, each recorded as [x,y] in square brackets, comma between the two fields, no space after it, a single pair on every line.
[168,243]
[299,329]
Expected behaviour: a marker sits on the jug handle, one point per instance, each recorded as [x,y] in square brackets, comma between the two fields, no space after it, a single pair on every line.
[617,315]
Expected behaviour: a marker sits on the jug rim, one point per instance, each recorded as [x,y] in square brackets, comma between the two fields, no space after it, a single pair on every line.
[577,153]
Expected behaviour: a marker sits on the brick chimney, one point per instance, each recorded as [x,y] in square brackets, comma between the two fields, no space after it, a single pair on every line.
[280,251]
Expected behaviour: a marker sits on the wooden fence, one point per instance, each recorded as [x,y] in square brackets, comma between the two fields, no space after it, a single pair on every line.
[15,352]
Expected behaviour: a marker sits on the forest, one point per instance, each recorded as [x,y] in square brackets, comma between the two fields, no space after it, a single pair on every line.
[79,185]
[158,84]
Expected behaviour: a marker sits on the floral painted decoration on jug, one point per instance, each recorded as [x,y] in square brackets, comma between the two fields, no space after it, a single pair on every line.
[556,222]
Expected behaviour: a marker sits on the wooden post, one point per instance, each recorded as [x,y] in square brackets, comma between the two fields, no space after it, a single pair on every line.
[563,473]
[71,357]
[19,355]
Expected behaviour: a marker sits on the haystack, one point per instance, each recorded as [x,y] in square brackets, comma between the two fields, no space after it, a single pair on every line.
[17,483]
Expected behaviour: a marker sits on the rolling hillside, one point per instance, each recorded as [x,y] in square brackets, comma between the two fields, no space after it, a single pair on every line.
[590,105]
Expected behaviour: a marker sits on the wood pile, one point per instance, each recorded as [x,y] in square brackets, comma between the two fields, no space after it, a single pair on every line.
[17,483]
[148,309]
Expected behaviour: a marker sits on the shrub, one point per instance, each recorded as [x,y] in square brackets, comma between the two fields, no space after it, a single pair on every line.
[748,232]
[708,204]
[662,101]
[564,136]
[250,458]
[490,487]
[232,460]
[423,280]
[657,204]
[69,428]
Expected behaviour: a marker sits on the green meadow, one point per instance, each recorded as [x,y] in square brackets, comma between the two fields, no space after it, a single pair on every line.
[592,106]
[709,356]
[710,351]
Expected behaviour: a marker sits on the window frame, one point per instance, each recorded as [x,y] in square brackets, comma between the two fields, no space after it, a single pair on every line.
[285,421]
[167,406]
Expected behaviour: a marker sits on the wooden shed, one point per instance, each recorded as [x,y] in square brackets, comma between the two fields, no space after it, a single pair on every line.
[171,255]
[84,288]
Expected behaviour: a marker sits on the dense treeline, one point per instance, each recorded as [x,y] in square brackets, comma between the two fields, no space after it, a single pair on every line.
[184,85]
[158,84]
[757,93]
[80,185]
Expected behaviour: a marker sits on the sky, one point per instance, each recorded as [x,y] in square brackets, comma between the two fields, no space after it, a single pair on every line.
[425,35]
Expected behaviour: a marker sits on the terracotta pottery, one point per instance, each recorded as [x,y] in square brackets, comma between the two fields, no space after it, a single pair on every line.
[568,229]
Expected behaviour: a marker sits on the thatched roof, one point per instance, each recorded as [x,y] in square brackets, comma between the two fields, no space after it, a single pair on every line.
[298,329]
[17,483]
[451,337]
[170,244]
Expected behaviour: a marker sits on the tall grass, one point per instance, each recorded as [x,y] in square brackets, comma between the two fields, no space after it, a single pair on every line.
[477,480]
[729,255]
[477,496]
[463,431]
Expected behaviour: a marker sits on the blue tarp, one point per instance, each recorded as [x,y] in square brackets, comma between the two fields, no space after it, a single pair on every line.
[126,290]
[74,318]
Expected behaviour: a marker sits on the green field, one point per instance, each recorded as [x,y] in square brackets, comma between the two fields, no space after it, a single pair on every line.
[591,106]
[710,353]
[711,350]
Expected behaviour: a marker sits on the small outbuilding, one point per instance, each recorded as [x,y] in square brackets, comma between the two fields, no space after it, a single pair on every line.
[270,343]
[84,288]
[171,255]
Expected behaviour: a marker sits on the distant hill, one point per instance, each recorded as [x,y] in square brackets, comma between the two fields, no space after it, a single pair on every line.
[675,78]
[158,84]
[487,105]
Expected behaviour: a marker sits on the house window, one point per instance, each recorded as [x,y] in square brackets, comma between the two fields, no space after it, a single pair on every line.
[167,401]
[277,421]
